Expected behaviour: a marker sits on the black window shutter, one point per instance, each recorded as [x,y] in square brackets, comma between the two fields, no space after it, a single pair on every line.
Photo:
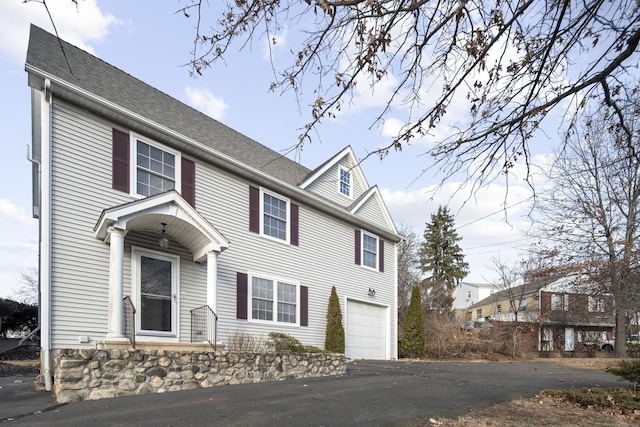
[294,224]
[357,245]
[304,306]
[381,255]
[254,209]
[242,294]
[188,176]
[120,161]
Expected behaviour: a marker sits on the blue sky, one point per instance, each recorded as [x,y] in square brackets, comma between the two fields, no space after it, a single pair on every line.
[148,40]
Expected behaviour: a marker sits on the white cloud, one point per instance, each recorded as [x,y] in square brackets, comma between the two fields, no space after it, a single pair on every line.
[206,102]
[270,48]
[491,223]
[11,213]
[80,26]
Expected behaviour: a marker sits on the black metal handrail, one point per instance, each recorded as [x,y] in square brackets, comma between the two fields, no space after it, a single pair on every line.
[204,325]
[129,320]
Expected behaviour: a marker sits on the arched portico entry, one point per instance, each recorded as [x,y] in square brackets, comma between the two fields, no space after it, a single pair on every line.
[182,223]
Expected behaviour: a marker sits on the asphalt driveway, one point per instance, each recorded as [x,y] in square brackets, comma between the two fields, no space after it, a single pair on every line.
[371,393]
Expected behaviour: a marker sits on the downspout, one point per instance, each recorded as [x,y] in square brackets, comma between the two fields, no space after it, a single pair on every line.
[45,233]
[37,329]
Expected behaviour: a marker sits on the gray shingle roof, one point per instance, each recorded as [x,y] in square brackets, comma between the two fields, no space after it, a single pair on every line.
[95,76]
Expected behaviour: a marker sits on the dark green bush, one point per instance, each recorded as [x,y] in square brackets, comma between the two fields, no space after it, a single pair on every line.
[629,371]
[413,343]
[613,398]
[283,343]
[334,335]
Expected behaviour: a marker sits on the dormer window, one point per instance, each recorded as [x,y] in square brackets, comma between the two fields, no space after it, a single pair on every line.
[345,182]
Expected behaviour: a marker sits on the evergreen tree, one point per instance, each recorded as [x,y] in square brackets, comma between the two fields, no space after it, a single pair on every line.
[413,333]
[334,339]
[442,260]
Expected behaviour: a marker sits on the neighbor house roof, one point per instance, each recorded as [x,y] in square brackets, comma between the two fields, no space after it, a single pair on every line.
[57,58]
[516,291]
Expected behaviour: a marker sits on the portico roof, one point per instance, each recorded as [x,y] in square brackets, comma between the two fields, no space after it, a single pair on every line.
[183,223]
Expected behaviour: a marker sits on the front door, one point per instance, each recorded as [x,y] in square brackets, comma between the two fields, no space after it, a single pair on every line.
[568,339]
[156,277]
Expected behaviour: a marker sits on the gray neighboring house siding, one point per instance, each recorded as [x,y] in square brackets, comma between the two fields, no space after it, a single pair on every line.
[85,108]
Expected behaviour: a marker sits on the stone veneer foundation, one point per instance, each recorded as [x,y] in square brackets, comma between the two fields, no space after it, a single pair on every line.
[98,374]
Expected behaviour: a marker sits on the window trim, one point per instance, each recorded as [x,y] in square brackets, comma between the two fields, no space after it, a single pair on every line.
[349,185]
[563,302]
[275,281]
[522,305]
[287,239]
[362,250]
[136,253]
[133,164]
[598,302]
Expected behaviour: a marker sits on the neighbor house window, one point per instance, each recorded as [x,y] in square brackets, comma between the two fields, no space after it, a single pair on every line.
[479,313]
[345,182]
[559,302]
[499,308]
[369,251]
[522,305]
[596,304]
[273,300]
[155,169]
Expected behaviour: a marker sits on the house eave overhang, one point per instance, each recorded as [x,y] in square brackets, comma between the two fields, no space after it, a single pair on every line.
[183,223]
[77,95]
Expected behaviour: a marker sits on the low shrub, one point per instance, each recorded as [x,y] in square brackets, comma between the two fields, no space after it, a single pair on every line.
[620,399]
[283,343]
[629,371]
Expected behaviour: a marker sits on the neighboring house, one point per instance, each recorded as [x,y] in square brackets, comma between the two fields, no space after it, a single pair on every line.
[518,303]
[573,315]
[467,294]
[146,203]
[566,310]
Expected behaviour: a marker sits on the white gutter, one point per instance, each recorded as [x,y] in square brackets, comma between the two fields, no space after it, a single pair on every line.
[226,161]
[45,231]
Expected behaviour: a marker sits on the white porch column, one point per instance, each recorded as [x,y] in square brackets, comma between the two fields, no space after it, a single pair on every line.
[116,282]
[212,280]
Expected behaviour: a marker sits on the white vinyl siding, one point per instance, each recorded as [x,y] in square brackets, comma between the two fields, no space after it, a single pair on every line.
[328,186]
[80,264]
[372,212]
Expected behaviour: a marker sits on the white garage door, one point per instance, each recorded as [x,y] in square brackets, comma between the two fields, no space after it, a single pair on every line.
[366,331]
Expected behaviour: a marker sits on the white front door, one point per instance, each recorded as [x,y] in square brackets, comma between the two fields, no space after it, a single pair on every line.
[568,339]
[156,284]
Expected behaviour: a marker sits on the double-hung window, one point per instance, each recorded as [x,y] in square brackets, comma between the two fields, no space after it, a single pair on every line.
[345,182]
[144,168]
[559,302]
[274,216]
[155,169]
[369,251]
[596,304]
[274,301]
[522,305]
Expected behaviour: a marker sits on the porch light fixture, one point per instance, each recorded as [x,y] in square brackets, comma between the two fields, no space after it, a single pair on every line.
[372,292]
[164,240]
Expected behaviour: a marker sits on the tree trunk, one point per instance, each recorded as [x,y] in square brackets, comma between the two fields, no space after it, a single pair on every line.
[621,333]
